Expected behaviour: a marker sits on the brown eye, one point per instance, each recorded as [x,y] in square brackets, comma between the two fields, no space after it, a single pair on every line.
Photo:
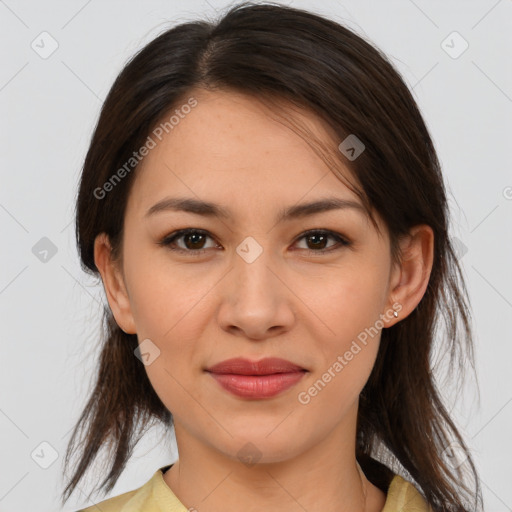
[193,241]
[316,241]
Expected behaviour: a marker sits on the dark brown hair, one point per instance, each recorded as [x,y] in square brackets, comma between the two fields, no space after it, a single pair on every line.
[273,52]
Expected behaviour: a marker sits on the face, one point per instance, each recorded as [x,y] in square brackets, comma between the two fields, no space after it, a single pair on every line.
[251,284]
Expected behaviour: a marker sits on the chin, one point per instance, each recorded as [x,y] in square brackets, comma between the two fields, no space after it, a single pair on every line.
[262,448]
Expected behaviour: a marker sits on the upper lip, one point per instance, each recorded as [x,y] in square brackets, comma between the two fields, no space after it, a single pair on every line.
[266,366]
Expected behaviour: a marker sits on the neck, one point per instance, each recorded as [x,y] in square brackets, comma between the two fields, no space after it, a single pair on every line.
[315,479]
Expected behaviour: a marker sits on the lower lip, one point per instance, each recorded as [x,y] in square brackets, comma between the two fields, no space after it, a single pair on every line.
[257,386]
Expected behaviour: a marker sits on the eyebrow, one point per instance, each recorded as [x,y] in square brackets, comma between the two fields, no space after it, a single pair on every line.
[209,209]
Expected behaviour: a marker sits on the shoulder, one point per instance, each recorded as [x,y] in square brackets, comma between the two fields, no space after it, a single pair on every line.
[404,496]
[113,504]
[127,501]
[153,496]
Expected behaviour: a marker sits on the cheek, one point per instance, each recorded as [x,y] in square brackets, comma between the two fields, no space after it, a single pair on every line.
[166,299]
[348,307]
[171,307]
[347,299]
[344,359]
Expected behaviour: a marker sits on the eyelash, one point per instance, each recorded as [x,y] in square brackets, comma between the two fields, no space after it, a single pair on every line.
[169,240]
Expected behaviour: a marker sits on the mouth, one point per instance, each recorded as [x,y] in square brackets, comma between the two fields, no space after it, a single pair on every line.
[266,366]
[256,379]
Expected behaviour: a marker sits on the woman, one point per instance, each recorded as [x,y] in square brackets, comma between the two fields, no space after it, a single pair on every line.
[264,205]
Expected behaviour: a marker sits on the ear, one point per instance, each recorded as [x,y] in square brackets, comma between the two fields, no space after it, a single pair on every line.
[409,279]
[113,283]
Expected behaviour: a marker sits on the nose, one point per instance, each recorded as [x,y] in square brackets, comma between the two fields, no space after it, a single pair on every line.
[257,303]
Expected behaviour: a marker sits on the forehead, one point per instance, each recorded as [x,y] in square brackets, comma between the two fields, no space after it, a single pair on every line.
[233,147]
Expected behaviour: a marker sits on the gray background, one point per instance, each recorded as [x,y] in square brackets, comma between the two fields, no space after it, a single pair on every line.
[50,309]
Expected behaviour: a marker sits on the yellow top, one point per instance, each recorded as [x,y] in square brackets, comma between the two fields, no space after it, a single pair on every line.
[156,496]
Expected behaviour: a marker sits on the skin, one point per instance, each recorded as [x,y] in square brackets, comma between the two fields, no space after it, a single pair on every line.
[289,303]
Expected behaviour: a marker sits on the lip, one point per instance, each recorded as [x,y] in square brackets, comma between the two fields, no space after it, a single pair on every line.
[256,379]
[266,366]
